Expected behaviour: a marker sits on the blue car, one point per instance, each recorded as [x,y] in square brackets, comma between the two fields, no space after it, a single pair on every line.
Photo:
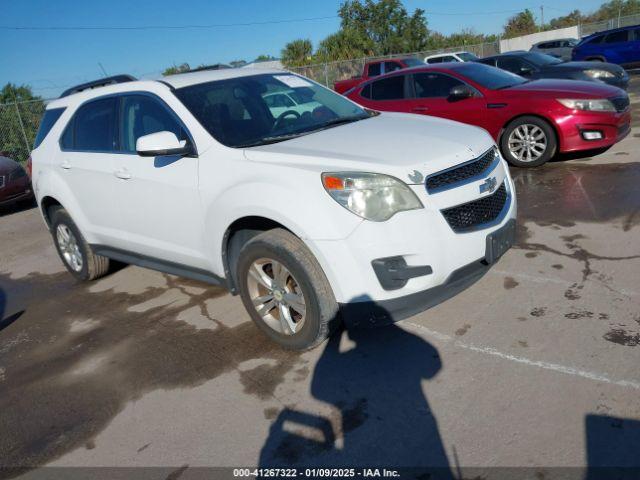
[620,45]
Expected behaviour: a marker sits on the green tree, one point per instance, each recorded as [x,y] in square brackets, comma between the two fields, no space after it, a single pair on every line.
[184,67]
[613,9]
[385,25]
[297,53]
[522,23]
[569,20]
[264,58]
[345,44]
[20,112]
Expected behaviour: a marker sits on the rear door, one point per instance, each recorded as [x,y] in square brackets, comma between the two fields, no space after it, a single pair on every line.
[159,197]
[88,153]
[387,94]
[430,92]
[618,48]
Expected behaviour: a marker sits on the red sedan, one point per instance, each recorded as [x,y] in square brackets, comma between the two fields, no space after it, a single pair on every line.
[15,184]
[530,120]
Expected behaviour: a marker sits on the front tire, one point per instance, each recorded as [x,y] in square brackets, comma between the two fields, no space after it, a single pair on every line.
[285,291]
[76,254]
[528,142]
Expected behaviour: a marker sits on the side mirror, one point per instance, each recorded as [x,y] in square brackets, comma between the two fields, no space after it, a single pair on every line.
[461,92]
[162,144]
[525,71]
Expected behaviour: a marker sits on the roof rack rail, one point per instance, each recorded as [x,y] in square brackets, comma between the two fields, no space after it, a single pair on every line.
[98,83]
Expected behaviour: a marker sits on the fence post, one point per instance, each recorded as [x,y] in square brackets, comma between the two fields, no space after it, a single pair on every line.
[24,134]
[326,75]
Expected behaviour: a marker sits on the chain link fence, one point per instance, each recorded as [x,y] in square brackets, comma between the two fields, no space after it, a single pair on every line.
[19,121]
[18,127]
[329,73]
[626,21]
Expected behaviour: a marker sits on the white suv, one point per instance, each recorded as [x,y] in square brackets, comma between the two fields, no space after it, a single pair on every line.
[338,213]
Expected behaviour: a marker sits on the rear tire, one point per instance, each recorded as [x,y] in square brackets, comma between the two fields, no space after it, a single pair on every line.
[278,275]
[528,142]
[76,254]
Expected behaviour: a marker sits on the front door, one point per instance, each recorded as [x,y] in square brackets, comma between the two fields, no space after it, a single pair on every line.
[431,96]
[158,196]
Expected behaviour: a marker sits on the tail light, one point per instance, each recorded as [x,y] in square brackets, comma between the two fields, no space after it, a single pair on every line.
[29,166]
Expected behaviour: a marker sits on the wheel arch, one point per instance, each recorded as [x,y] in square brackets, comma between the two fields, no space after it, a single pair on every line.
[239,232]
[46,204]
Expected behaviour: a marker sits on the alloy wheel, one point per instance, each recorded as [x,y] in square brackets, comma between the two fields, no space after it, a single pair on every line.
[276,295]
[527,143]
[69,248]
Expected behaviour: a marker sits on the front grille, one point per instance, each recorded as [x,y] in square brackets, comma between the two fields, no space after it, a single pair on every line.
[472,214]
[452,176]
[621,103]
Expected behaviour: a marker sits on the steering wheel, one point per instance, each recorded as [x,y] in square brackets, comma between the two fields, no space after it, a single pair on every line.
[282,116]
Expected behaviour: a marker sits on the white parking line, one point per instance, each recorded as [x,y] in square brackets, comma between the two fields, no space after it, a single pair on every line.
[598,377]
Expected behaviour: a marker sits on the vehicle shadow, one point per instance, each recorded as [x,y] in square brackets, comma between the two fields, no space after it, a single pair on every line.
[5,322]
[613,447]
[373,379]
[17,207]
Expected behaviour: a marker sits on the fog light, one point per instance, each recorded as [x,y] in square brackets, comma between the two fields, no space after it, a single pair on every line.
[592,135]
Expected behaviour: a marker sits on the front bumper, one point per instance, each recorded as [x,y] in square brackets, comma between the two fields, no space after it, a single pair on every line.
[422,238]
[373,314]
[614,127]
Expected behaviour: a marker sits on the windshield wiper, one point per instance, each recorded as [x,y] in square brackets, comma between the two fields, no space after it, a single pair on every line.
[340,121]
[272,139]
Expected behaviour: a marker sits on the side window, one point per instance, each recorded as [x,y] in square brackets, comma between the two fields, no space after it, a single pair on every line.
[366,91]
[435,60]
[391,88]
[49,119]
[433,85]
[636,34]
[596,40]
[512,64]
[374,69]
[617,37]
[93,127]
[449,58]
[391,67]
[488,61]
[543,46]
[143,115]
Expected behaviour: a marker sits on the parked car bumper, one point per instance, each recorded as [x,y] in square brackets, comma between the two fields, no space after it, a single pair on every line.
[620,82]
[443,262]
[613,128]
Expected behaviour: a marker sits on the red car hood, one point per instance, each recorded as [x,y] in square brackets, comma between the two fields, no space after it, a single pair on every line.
[567,89]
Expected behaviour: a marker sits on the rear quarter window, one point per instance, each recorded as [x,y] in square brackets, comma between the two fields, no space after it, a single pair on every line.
[49,119]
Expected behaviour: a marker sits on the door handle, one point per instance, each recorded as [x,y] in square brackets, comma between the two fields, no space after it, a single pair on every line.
[123,174]
[420,109]
[65,164]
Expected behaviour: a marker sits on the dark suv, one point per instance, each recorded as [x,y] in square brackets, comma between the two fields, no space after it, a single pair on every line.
[620,45]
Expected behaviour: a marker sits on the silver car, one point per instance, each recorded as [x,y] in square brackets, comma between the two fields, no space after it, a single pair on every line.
[560,48]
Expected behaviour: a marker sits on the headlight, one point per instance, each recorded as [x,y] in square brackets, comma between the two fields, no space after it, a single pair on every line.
[598,105]
[599,74]
[372,196]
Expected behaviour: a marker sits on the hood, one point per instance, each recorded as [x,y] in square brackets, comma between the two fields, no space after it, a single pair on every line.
[406,146]
[567,89]
[581,66]
[7,165]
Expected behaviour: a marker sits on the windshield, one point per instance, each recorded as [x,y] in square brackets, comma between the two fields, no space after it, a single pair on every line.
[541,59]
[467,57]
[413,62]
[256,110]
[490,77]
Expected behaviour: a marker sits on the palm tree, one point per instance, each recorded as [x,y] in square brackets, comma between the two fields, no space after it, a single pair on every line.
[297,53]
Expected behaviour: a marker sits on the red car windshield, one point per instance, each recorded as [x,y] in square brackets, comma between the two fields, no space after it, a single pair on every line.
[490,77]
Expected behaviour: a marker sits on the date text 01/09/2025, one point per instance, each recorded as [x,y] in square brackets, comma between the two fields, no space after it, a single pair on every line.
[315,472]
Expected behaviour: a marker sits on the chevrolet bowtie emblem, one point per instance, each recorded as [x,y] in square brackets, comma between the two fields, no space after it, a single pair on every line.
[489,185]
[416,177]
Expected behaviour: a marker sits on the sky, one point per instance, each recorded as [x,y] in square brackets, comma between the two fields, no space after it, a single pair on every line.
[52,60]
